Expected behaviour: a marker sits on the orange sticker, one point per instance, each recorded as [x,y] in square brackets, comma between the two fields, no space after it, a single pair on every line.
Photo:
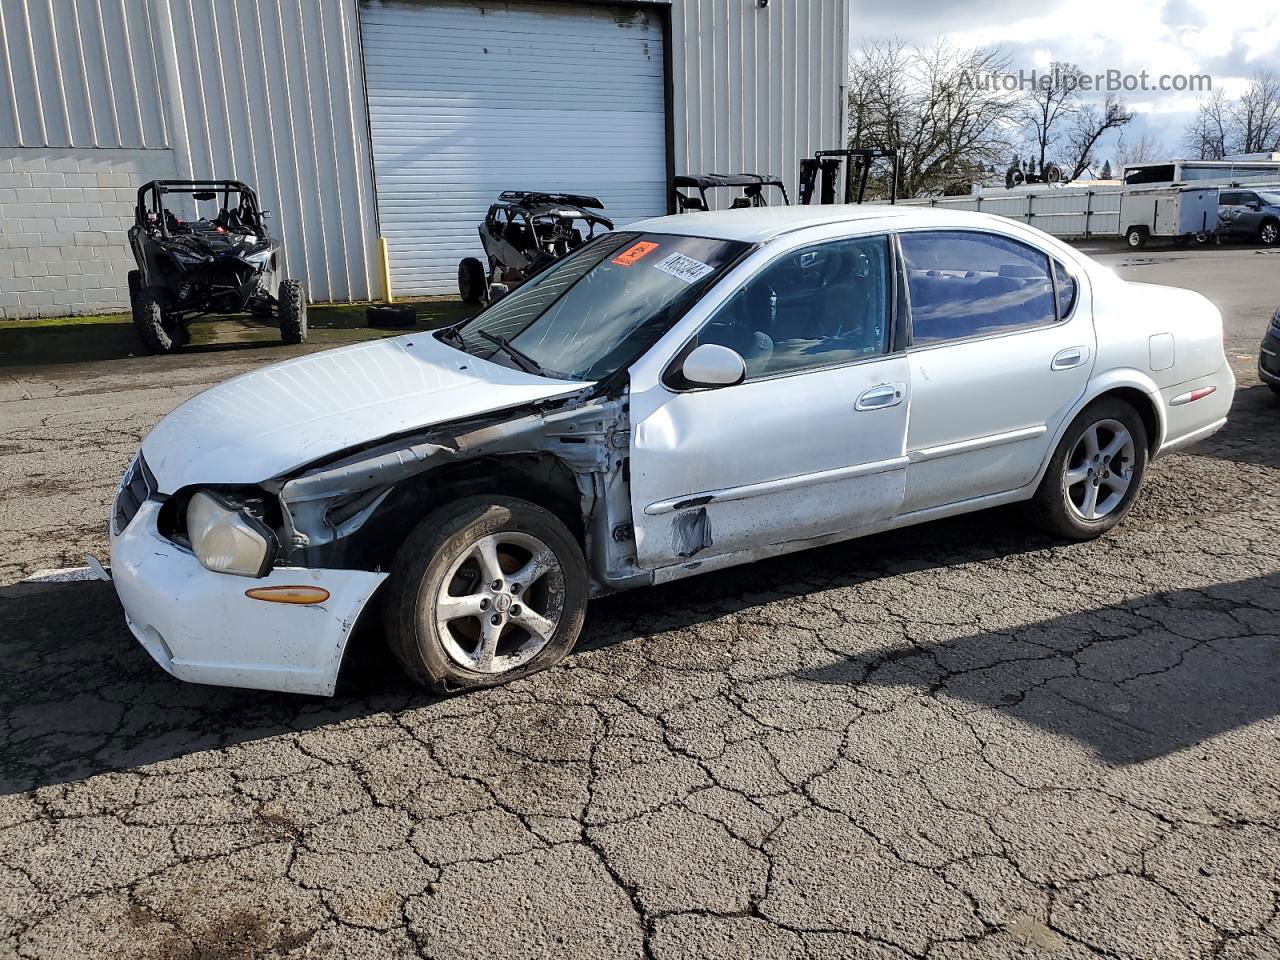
[634,252]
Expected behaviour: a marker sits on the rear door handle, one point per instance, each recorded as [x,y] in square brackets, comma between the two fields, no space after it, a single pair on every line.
[881,395]
[1069,358]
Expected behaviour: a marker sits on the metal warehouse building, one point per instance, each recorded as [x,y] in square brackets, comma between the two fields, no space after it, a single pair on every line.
[399,119]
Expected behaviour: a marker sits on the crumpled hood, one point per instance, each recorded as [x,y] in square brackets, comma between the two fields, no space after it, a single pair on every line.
[262,424]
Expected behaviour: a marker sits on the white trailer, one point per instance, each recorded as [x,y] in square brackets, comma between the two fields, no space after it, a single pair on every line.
[1179,213]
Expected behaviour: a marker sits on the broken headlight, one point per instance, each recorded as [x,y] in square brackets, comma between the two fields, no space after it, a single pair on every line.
[228,539]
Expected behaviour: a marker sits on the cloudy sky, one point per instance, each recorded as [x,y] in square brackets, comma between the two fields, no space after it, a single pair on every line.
[1227,39]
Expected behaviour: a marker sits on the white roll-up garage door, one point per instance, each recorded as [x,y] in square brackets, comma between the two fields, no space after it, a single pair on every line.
[467,99]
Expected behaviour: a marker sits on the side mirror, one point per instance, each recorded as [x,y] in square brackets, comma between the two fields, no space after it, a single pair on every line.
[712,365]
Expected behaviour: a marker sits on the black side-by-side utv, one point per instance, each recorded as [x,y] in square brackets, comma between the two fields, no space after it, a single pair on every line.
[202,265]
[523,233]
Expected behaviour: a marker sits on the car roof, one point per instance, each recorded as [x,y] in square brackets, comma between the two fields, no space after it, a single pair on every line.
[759,224]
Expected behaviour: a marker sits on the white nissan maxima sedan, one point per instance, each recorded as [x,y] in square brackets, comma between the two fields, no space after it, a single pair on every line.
[683,395]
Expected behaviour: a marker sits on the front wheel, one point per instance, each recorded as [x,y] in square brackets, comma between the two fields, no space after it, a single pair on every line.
[484,591]
[158,331]
[1269,233]
[1136,237]
[293,311]
[1095,473]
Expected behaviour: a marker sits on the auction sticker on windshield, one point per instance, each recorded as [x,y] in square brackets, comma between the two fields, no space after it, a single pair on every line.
[683,268]
[634,252]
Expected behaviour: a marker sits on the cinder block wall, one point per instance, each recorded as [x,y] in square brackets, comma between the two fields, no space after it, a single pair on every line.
[63,219]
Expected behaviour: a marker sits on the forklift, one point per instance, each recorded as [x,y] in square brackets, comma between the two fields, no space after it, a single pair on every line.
[820,174]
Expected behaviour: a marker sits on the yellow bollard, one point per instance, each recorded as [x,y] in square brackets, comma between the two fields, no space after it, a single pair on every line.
[386,270]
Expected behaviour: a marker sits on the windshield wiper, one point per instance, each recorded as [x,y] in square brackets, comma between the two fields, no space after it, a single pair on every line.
[524,362]
[451,334]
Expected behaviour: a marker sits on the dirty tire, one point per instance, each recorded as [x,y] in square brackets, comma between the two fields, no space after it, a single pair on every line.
[1051,507]
[148,320]
[391,315]
[293,311]
[429,555]
[471,281]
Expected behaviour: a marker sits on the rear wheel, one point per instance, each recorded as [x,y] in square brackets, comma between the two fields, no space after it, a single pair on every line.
[471,280]
[1136,237]
[159,332]
[485,590]
[1095,473]
[293,311]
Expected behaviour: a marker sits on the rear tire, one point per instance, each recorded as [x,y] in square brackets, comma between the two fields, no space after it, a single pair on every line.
[149,320]
[466,582]
[293,311]
[1095,473]
[471,281]
[1136,237]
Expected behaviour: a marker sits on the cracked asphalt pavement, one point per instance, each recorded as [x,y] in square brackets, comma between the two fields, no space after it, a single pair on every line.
[962,740]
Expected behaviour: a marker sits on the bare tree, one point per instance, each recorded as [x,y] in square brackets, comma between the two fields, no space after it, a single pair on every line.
[930,106]
[1089,125]
[1256,115]
[1048,107]
[1146,149]
[1250,124]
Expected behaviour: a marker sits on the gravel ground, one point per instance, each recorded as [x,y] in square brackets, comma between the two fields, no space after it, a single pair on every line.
[959,740]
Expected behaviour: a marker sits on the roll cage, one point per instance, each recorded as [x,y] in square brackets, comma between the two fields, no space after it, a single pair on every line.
[152,215]
[752,185]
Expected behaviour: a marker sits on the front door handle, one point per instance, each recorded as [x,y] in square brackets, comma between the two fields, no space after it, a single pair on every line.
[879,396]
[1069,358]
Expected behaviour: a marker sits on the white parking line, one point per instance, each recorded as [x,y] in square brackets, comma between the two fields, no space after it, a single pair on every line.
[61,575]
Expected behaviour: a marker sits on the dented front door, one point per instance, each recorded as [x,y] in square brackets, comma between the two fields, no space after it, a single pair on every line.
[729,470]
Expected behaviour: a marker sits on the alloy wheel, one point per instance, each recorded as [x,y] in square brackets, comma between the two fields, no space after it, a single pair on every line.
[1269,234]
[500,603]
[1099,471]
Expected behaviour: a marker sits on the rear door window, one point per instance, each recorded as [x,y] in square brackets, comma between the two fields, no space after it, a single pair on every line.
[966,283]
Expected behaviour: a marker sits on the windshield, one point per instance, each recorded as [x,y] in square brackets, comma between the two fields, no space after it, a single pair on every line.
[1269,198]
[601,307]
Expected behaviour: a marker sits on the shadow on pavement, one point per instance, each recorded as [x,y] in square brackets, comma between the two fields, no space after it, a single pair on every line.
[1129,686]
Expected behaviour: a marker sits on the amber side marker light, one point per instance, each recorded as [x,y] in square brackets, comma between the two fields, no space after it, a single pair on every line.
[289,594]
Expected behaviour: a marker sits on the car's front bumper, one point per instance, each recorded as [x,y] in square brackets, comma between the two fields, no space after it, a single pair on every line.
[1269,357]
[200,625]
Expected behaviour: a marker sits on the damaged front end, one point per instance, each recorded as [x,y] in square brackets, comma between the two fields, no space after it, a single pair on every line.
[354,510]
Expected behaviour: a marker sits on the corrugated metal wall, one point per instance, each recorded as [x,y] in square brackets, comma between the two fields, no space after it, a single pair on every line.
[757,88]
[271,92]
[266,91]
[79,73]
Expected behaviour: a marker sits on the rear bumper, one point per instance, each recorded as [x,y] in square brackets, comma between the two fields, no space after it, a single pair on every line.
[1187,423]
[199,625]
